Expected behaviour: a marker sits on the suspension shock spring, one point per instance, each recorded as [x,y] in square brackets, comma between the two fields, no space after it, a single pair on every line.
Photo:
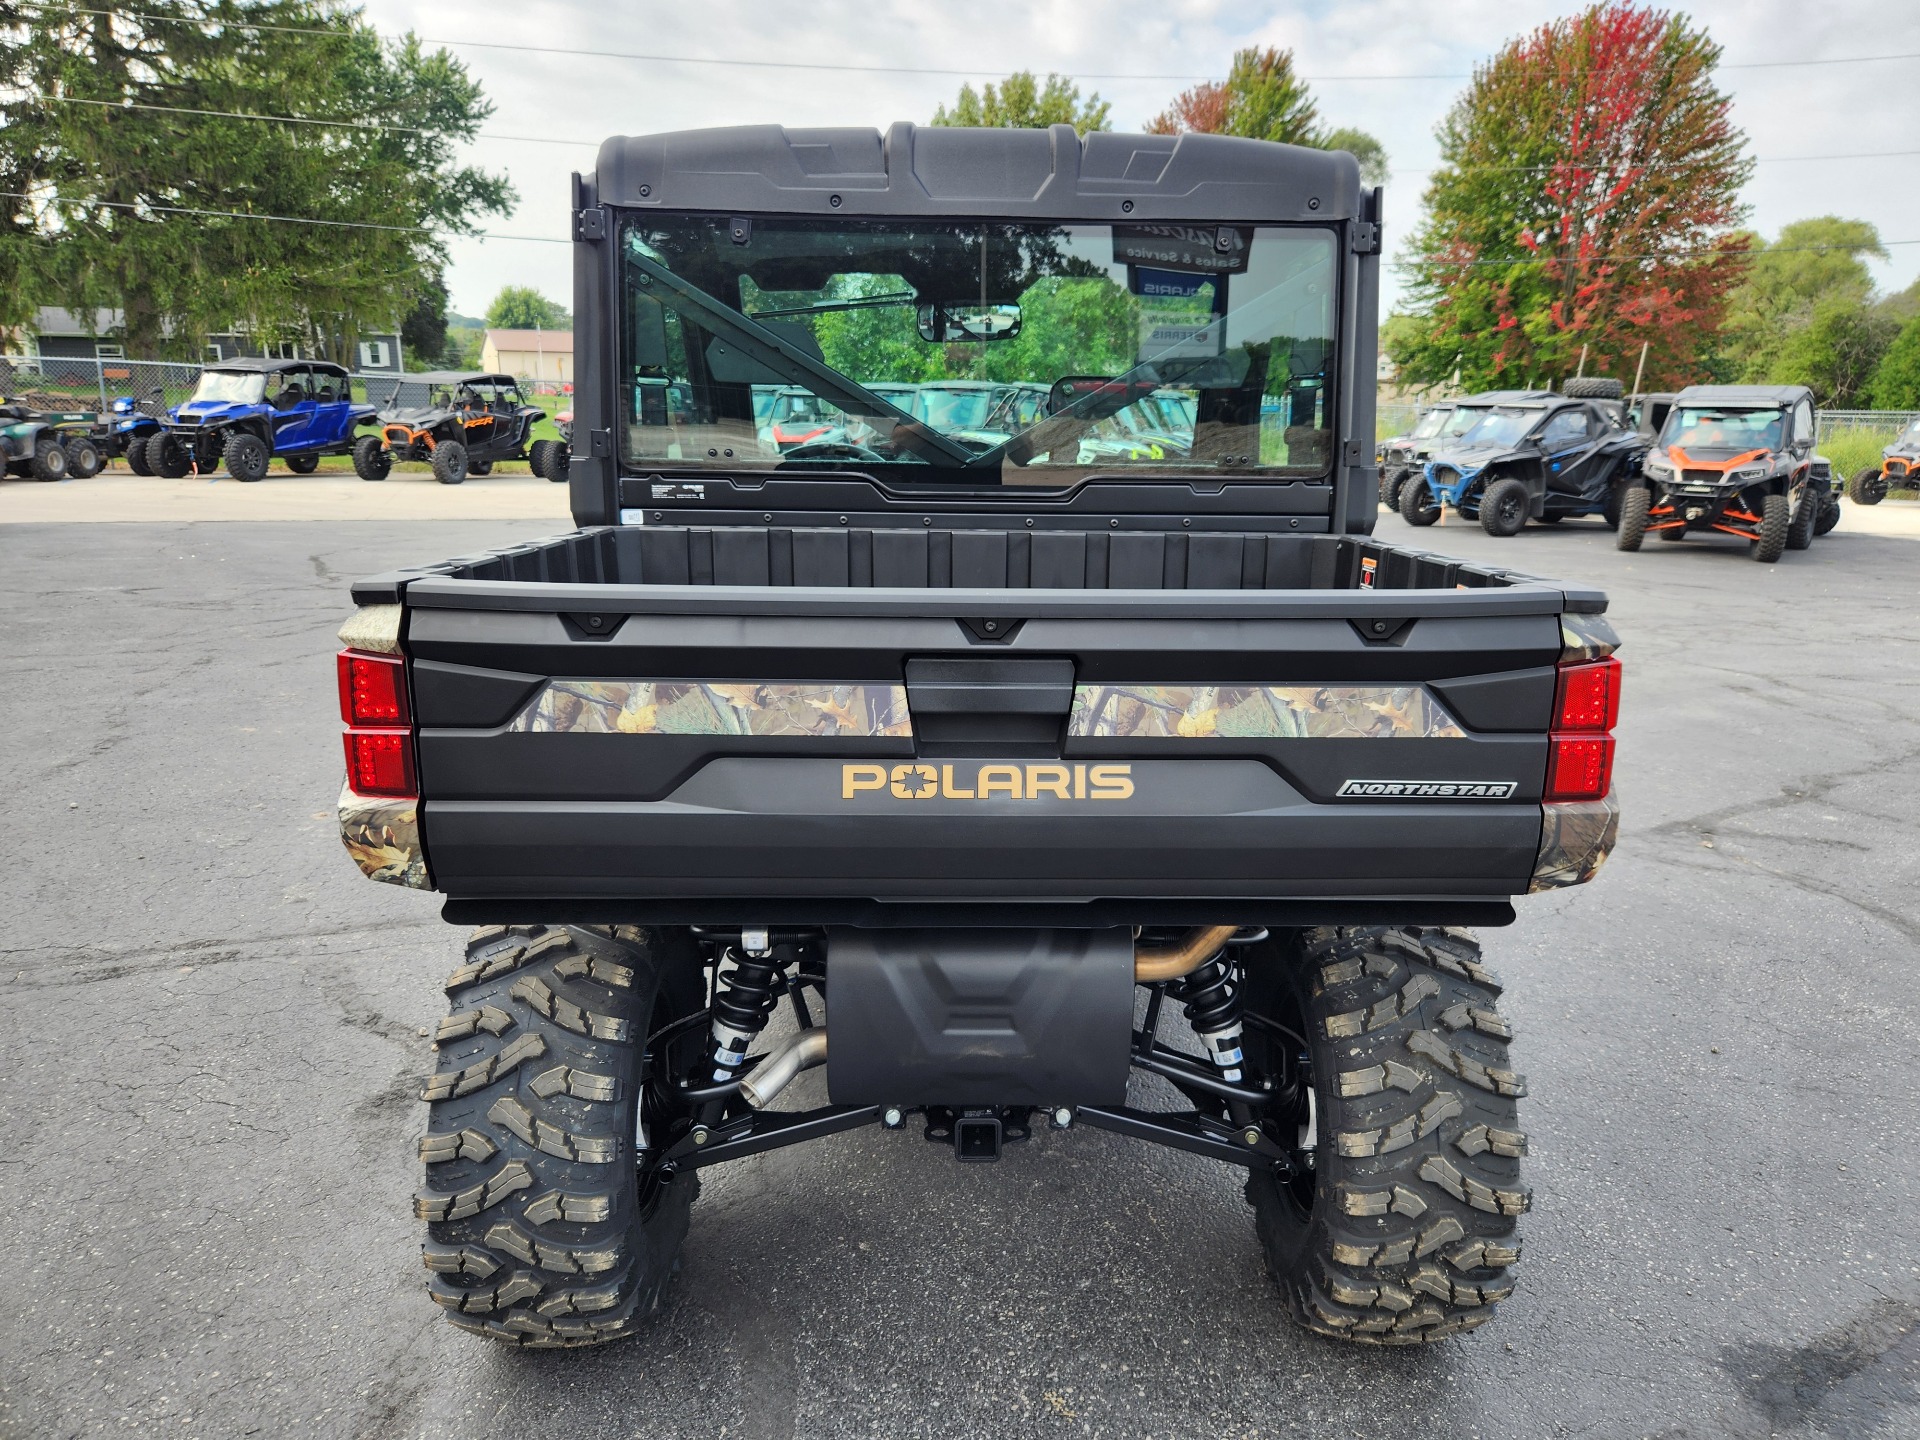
[1212,1003]
[744,997]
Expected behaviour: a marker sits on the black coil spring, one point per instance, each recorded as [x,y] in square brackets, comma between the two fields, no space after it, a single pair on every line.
[747,998]
[1209,996]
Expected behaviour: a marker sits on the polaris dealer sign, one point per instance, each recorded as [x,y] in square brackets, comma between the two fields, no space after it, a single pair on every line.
[1426,790]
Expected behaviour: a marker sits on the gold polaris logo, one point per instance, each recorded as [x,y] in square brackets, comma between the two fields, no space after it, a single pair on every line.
[920,781]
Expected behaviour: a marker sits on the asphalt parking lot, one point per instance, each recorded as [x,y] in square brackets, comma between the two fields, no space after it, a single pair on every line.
[212,1028]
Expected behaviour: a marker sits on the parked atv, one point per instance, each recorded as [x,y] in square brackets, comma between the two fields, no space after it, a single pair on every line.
[471,420]
[246,412]
[1898,463]
[1737,459]
[1533,457]
[131,422]
[31,443]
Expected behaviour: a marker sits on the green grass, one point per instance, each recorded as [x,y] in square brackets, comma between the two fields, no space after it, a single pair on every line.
[1852,450]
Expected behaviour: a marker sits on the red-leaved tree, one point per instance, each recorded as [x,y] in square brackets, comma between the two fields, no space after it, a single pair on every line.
[1590,182]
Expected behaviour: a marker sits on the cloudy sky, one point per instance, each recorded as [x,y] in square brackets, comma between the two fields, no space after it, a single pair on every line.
[1859,101]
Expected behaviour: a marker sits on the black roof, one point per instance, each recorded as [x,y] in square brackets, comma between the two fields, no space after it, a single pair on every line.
[455,377]
[1742,395]
[1010,174]
[255,365]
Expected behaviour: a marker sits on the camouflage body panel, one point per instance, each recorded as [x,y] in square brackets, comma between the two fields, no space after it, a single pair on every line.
[1586,637]
[383,836]
[374,628]
[1575,840]
[675,707]
[1285,712]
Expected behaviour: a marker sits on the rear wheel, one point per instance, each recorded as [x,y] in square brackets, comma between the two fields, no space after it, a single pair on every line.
[537,457]
[449,462]
[1504,506]
[1634,505]
[547,1225]
[84,459]
[1775,516]
[137,455]
[1829,514]
[1868,486]
[49,458]
[1403,1230]
[246,457]
[371,458]
[558,456]
[1417,505]
[303,464]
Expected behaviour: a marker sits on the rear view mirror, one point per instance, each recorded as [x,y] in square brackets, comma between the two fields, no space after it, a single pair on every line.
[956,324]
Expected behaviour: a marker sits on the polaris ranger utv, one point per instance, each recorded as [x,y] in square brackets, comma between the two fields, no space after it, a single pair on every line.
[1006,774]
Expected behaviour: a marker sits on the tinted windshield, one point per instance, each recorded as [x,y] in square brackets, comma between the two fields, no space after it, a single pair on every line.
[1500,425]
[991,350]
[1430,424]
[229,387]
[1697,427]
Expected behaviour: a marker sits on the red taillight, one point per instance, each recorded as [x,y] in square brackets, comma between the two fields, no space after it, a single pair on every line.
[1588,697]
[373,689]
[1579,767]
[380,762]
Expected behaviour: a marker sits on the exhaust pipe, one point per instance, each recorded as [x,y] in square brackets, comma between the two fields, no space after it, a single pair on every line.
[771,1076]
[1152,963]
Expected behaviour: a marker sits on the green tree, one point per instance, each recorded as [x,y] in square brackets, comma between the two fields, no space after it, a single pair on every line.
[1020,102]
[423,334]
[1590,176]
[1896,379]
[521,307]
[1263,99]
[1813,264]
[1836,353]
[134,203]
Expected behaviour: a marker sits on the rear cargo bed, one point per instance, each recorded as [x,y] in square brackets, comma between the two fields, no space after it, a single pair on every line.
[898,726]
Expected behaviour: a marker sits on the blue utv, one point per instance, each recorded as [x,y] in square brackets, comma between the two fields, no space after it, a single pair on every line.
[246,412]
[1529,457]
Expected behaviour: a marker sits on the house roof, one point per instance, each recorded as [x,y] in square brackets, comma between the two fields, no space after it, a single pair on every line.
[557,342]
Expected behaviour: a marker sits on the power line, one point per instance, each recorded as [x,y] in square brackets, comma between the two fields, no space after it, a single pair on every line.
[737,62]
[376,127]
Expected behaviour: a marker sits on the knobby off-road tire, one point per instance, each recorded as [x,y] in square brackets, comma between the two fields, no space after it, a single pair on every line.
[1800,527]
[558,459]
[168,456]
[136,453]
[1634,505]
[540,1229]
[84,458]
[1404,1230]
[1417,505]
[1829,515]
[49,459]
[1868,486]
[450,462]
[1504,506]
[1593,388]
[1390,483]
[246,457]
[1775,516]
[371,460]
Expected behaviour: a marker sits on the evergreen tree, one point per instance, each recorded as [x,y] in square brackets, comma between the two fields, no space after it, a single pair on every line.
[1022,103]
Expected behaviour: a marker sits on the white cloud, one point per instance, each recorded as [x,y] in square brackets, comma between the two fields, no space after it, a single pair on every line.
[1801,109]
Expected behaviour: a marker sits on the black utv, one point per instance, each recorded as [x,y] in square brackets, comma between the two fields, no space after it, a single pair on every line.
[1898,464]
[1531,455]
[1735,460]
[471,420]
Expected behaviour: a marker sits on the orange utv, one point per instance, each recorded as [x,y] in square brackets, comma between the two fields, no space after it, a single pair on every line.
[1734,460]
[462,422]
